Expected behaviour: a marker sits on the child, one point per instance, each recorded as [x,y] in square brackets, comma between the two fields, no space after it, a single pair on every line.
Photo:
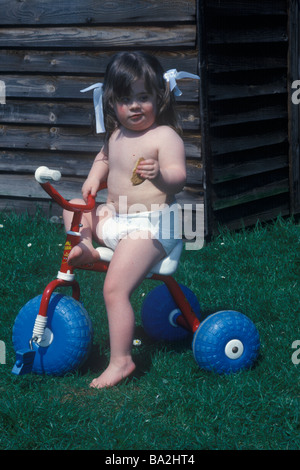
[140,122]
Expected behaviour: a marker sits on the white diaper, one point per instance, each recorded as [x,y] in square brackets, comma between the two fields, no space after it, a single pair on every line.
[162,225]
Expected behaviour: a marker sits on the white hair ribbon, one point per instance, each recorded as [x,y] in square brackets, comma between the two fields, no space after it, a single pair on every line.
[98,105]
[172,75]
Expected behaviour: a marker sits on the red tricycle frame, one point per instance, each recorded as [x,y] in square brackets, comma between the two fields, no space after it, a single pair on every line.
[66,278]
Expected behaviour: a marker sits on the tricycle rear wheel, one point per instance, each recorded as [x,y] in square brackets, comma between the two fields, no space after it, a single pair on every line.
[159,313]
[225,342]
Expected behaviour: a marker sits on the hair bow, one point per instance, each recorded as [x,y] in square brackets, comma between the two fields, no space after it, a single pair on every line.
[172,75]
[98,105]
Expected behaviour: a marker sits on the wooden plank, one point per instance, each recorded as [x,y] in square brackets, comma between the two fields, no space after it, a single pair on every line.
[69,139]
[32,112]
[50,138]
[27,161]
[189,197]
[243,139]
[249,214]
[21,206]
[249,110]
[244,7]
[46,87]
[264,33]
[71,165]
[236,57]
[84,62]
[247,84]
[189,117]
[192,145]
[72,113]
[25,186]
[194,171]
[235,171]
[57,12]
[251,188]
[99,37]
[68,88]
[249,162]
[253,194]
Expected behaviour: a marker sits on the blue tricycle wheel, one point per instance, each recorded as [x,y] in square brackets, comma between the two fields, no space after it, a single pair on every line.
[226,342]
[69,332]
[159,313]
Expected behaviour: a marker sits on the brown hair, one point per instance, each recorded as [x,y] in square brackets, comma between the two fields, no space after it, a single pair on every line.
[123,69]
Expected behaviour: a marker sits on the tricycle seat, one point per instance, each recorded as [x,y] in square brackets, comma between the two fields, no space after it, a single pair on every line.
[165,267]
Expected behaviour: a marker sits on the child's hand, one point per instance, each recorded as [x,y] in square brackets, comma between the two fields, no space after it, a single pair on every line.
[90,187]
[148,169]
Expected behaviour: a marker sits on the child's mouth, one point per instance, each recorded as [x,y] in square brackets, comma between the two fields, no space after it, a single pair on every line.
[136,116]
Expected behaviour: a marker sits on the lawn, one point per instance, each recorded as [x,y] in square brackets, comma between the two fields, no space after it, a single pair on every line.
[170,404]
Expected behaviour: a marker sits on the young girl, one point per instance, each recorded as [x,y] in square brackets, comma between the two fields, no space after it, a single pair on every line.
[140,122]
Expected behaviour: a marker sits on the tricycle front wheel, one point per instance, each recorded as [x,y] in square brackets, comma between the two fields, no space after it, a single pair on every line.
[67,339]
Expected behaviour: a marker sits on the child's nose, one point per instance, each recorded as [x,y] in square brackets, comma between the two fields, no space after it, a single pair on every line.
[134,104]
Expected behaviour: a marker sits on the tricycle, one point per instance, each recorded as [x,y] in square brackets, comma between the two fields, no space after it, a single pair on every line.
[53,333]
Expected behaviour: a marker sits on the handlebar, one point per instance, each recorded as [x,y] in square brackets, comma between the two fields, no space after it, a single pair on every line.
[43,175]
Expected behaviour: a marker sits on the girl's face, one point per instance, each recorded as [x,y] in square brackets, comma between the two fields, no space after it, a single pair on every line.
[137,111]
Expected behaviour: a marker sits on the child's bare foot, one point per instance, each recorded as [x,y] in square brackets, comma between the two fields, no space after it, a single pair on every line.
[83,253]
[113,375]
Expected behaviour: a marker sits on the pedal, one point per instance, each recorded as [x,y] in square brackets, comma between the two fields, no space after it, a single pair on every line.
[24,362]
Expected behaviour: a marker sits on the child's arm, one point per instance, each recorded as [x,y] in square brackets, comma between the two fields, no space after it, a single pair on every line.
[98,173]
[168,173]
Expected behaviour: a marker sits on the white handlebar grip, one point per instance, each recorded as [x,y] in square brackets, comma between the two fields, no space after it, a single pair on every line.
[44,174]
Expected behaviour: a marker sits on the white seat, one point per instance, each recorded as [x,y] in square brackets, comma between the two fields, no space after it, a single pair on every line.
[165,267]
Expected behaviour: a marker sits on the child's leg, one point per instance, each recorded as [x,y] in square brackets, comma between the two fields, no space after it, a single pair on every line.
[84,252]
[131,262]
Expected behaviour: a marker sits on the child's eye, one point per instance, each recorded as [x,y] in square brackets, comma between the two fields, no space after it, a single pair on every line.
[144,98]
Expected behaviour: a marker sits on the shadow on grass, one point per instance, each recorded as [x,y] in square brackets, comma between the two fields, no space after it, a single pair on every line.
[97,361]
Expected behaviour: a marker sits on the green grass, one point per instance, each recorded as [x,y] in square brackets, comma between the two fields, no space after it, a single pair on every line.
[170,403]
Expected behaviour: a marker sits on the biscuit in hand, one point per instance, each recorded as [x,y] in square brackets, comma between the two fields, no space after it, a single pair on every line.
[137,179]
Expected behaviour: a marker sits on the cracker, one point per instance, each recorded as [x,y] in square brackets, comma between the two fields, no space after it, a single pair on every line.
[137,179]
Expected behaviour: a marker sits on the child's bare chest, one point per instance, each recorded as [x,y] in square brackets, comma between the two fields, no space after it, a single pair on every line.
[124,152]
